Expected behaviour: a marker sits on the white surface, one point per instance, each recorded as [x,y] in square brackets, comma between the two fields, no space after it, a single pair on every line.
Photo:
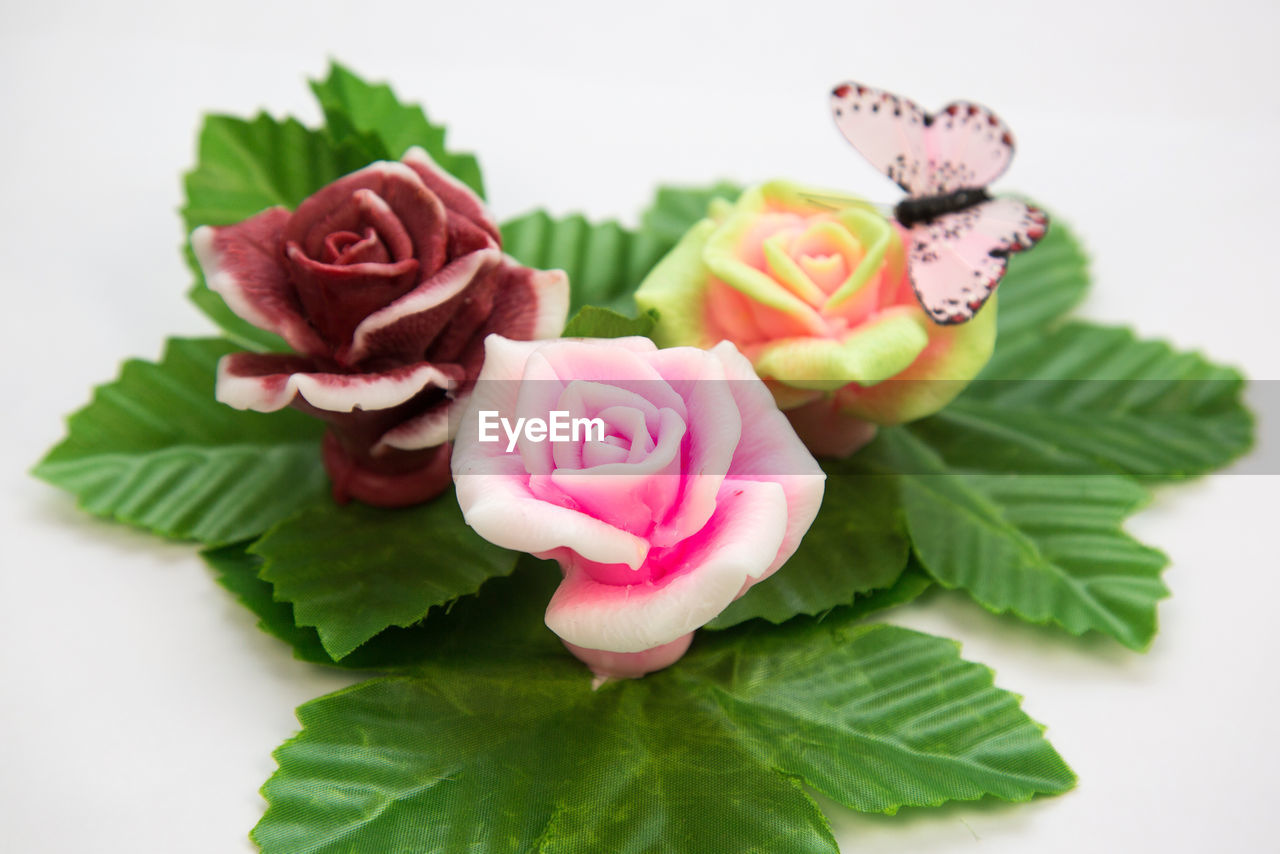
[139,704]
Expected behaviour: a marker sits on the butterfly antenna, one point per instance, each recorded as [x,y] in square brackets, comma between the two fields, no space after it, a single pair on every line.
[833,202]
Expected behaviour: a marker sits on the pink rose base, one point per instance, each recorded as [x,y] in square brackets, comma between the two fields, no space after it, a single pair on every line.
[403,486]
[698,489]
[631,665]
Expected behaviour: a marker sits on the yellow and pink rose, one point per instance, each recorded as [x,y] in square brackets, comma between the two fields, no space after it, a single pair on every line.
[813,289]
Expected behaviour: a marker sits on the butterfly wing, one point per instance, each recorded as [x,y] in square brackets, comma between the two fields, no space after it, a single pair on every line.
[966,145]
[956,260]
[887,130]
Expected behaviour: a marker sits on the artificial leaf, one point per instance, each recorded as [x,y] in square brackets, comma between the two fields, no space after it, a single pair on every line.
[856,544]
[1088,399]
[1049,548]
[154,449]
[237,571]
[605,261]
[469,628]
[244,167]
[592,321]
[910,586]
[1041,286]
[353,107]
[677,209]
[352,570]
[874,716]
[707,756]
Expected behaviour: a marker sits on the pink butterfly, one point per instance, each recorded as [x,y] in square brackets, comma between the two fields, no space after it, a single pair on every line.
[959,237]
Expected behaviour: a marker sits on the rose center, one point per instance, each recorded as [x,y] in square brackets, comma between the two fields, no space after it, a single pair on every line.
[349,247]
[828,270]
[626,439]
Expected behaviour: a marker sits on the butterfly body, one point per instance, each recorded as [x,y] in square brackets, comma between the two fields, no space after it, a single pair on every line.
[911,211]
[958,237]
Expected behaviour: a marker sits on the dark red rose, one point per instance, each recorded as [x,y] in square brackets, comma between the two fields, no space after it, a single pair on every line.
[385,283]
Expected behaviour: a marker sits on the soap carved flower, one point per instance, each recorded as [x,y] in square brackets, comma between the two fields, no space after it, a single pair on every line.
[694,488]
[813,289]
[385,284]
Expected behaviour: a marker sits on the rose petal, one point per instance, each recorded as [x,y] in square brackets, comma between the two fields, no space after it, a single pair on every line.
[855,298]
[405,328]
[266,382]
[337,297]
[466,237]
[347,247]
[364,211]
[529,304]
[244,263]
[778,307]
[736,546]
[771,450]
[715,427]
[406,198]
[632,422]
[788,271]
[457,196]
[677,288]
[493,486]
[619,362]
[431,428]
[953,357]
[469,315]
[874,351]
[633,496]
[494,494]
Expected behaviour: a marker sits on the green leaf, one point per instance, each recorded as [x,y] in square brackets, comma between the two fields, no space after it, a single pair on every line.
[677,209]
[591,321]
[911,585]
[353,108]
[1088,399]
[244,167]
[352,571]
[856,544]
[154,449]
[707,756]
[463,629]
[1041,286]
[1049,548]
[876,717]
[605,261]
[237,571]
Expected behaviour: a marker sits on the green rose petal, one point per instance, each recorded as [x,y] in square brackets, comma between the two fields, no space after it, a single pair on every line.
[875,351]
[676,290]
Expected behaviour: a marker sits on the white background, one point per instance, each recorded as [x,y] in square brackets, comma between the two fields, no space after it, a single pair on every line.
[139,703]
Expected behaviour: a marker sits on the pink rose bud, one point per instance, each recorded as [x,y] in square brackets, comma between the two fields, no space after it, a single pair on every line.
[385,283]
[664,482]
[813,289]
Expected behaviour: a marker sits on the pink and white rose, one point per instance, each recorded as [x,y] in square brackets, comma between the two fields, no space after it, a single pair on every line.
[694,488]
[385,284]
